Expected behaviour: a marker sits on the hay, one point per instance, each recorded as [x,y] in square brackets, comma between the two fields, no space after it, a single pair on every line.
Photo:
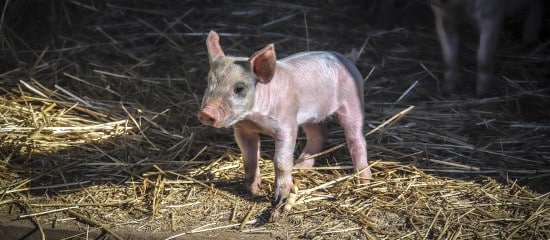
[98,128]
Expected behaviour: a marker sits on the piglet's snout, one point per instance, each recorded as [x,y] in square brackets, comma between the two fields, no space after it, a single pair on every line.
[208,116]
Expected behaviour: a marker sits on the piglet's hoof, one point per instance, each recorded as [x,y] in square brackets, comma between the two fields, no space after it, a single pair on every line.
[282,208]
[277,213]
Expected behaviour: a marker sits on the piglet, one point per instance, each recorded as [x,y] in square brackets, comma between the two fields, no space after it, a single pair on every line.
[261,94]
[487,16]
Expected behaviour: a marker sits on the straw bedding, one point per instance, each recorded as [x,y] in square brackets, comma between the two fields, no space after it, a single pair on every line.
[98,128]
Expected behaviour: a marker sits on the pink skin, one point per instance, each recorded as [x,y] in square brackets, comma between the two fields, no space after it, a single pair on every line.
[275,98]
[487,16]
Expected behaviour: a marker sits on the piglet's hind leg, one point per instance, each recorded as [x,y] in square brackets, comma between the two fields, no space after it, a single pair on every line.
[351,121]
[316,136]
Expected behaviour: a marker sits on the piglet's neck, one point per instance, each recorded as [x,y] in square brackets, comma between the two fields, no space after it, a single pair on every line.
[269,95]
[263,99]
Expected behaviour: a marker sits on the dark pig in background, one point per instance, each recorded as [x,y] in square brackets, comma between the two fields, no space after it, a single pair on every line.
[261,94]
[487,16]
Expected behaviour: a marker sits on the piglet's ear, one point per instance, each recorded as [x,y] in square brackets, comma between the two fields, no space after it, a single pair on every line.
[213,46]
[263,63]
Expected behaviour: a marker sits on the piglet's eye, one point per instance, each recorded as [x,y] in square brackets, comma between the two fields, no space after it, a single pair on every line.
[238,89]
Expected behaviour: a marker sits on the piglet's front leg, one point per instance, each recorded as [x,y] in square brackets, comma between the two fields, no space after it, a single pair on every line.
[285,142]
[249,143]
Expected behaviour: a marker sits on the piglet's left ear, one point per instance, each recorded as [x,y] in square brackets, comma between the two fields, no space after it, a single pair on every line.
[263,63]
[213,46]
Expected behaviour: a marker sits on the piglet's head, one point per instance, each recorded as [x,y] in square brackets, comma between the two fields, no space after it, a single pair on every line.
[232,81]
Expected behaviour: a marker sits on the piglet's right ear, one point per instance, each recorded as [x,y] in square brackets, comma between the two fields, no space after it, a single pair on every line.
[263,63]
[213,46]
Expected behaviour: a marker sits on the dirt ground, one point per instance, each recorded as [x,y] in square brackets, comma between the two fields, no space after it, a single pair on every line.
[100,139]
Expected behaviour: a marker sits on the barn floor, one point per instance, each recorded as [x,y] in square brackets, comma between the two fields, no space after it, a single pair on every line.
[99,136]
